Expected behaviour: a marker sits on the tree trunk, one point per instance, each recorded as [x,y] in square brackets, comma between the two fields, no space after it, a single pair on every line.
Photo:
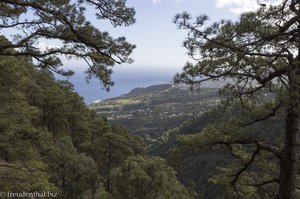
[108,182]
[289,156]
[288,162]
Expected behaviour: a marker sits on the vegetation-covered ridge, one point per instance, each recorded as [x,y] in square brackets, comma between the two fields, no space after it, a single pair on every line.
[50,141]
[198,153]
[149,112]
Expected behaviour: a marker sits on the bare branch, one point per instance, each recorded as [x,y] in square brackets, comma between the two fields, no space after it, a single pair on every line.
[244,168]
[265,117]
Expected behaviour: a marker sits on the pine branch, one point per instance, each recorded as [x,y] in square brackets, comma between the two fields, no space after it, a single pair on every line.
[265,117]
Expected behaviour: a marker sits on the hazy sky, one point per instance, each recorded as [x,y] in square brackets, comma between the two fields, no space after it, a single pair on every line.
[159,53]
[158,41]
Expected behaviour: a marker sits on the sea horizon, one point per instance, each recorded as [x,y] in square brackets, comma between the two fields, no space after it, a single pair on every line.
[125,79]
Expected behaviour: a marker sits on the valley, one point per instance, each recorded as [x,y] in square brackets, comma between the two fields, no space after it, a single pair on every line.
[151,111]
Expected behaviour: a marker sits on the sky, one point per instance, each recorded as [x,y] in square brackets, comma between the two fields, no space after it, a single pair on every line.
[159,54]
[158,41]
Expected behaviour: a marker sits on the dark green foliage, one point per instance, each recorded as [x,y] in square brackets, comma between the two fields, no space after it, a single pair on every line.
[64,22]
[50,141]
[148,178]
[72,173]
[194,167]
[21,165]
[260,53]
[208,166]
[37,113]
[111,148]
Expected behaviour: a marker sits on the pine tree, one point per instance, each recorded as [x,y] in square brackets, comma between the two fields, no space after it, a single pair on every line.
[146,177]
[260,53]
[65,22]
[20,164]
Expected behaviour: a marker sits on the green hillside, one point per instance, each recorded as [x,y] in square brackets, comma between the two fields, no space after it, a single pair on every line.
[51,142]
[156,109]
[202,166]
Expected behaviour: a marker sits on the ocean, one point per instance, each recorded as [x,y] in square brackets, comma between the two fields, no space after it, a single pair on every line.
[125,78]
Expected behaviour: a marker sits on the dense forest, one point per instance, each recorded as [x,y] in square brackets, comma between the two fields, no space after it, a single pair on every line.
[52,143]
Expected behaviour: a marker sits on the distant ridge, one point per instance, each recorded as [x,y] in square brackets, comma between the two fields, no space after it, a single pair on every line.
[162,87]
[145,90]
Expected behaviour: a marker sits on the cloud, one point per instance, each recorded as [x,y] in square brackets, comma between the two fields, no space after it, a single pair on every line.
[240,6]
[176,1]
[171,1]
[237,6]
[45,46]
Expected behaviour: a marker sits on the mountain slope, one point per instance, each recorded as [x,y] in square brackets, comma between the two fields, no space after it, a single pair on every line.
[148,112]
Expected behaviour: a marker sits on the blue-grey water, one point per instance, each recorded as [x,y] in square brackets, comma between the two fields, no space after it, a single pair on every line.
[125,80]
